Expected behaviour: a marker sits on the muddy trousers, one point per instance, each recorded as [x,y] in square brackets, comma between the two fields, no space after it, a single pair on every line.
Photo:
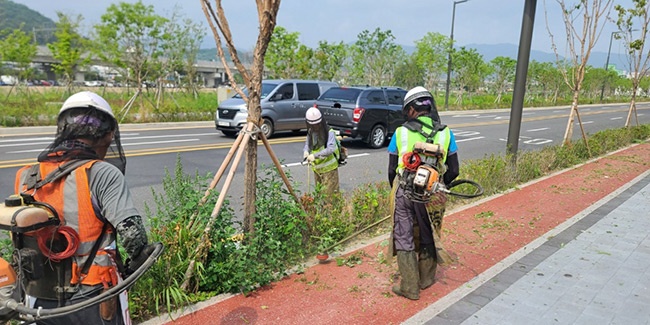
[427,264]
[409,287]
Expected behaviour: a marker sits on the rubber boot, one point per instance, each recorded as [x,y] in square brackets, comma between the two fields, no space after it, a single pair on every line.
[407,263]
[427,265]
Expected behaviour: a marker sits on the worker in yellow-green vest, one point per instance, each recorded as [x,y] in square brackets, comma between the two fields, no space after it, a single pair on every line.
[418,202]
[321,151]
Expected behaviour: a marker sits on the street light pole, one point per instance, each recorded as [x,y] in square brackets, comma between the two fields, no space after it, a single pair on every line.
[602,91]
[451,48]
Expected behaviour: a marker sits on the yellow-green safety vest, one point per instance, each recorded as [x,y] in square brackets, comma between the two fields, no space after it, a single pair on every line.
[406,139]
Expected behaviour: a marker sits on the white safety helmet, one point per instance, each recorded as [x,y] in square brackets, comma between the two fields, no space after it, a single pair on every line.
[313,116]
[86,115]
[87,99]
[418,92]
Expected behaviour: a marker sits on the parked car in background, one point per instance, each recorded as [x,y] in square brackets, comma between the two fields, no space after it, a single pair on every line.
[284,104]
[369,113]
[9,80]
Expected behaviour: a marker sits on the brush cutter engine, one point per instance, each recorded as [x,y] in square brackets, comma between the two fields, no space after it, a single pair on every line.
[42,251]
[422,177]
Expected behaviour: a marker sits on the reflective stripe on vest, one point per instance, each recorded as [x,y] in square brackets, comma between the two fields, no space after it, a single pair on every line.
[327,164]
[71,198]
[406,139]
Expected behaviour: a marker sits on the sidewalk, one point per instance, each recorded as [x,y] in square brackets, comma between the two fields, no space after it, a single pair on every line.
[570,248]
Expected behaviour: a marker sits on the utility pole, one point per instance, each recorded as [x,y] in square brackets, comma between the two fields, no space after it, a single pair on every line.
[451,48]
[523,57]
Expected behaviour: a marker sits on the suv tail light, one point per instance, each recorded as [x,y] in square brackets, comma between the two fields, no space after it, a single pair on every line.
[357,113]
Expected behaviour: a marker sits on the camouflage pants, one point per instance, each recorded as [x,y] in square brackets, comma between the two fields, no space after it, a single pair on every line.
[329,181]
[416,224]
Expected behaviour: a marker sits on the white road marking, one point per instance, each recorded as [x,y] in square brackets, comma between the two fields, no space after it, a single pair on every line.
[540,129]
[27,140]
[164,136]
[616,118]
[302,163]
[123,145]
[469,139]
[24,144]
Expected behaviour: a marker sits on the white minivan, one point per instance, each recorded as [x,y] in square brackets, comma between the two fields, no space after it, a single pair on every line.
[284,104]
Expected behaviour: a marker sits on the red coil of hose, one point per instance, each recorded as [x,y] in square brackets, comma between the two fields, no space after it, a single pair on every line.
[47,236]
[411,161]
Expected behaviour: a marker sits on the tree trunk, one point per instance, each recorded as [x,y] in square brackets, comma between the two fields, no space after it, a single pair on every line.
[569,127]
[632,109]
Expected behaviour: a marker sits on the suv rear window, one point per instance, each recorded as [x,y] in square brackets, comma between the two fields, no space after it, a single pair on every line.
[344,95]
[395,97]
[376,97]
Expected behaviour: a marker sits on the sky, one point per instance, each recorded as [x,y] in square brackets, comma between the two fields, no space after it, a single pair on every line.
[476,21]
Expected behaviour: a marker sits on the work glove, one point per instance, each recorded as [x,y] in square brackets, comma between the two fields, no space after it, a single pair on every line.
[132,265]
[305,155]
[311,158]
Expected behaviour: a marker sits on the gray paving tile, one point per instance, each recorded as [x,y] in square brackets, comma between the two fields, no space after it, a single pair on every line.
[597,271]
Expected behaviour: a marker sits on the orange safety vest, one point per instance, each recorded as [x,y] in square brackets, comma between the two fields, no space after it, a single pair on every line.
[71,198]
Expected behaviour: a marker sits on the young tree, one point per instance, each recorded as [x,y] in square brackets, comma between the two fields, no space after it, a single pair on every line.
[328,60]
[283,53]
[633,29]
[469,71]
[430,56]
[179,48]
[69,49]
[267,11]
[18,47]
[129,37]
[373,58]
[408,73]
[504,74]
[582,23]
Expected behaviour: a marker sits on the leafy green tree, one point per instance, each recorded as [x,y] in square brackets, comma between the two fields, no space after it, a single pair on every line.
[285,54]
[130,37]
[595,79]
[469,71]
[633,29]
[431,57]
[373,58]
[302,65]
[408,73]
[18,47]
[544,78]
[179,46]
[69,48]
[504,74]
[328,60]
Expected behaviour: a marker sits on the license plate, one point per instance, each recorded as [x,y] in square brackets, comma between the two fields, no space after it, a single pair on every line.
[224,123]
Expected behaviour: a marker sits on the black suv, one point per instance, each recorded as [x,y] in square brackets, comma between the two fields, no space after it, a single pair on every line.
[369,113]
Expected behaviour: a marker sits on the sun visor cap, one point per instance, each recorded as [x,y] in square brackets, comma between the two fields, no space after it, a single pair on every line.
[87,99]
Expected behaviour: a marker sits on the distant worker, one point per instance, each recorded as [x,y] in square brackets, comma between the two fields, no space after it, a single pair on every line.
[94,205]
[322,151]
[417,215]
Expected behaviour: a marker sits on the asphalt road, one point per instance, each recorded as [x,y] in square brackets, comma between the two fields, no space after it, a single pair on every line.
[154,148]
